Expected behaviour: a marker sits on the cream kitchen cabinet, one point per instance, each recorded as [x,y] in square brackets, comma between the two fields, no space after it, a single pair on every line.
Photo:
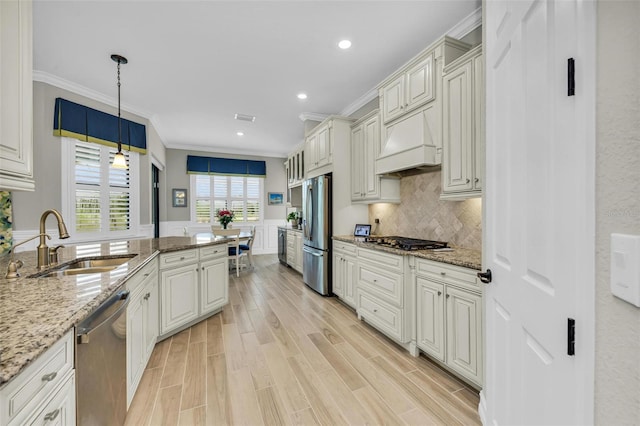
[382,296]
[214,278]
[142,323]
[366,185]
[16,94]
[45,390]
[295,167]
[320,143]
[408,90]
[294,249]
[449,317]
[193,284]
[463,127]
[345,272]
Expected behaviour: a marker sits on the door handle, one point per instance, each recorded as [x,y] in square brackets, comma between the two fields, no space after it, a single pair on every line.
[485,277]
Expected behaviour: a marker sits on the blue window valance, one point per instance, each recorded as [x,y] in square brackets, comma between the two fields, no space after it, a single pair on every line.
[225,166]
[87,124]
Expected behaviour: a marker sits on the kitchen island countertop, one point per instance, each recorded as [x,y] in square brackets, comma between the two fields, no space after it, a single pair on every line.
[467,258]
[36,312]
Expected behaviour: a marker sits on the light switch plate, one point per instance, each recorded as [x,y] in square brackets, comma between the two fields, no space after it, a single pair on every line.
[625,267]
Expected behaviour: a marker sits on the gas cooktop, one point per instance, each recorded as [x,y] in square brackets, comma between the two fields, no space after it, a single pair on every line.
[404,243]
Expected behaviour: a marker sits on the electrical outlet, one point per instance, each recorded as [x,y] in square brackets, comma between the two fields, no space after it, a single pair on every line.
[377,220]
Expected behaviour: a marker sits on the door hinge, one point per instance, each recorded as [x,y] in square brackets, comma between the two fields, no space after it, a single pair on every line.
[571,77]
[571,336]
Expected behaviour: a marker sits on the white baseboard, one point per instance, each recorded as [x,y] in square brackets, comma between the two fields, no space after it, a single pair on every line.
[482,409]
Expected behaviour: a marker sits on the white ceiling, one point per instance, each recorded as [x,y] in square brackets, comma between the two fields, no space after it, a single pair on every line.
[194,64]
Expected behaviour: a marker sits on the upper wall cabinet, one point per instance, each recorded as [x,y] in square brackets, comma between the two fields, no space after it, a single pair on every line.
[410,89]
[366,185]
[463,127]
[16,96]
[295,167]
[330,135]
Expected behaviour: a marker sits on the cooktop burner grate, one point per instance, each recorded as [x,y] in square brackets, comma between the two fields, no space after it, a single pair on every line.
[404,243]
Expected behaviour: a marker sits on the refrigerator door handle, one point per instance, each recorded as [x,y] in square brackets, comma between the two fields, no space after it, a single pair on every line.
[309,214]
[312,253]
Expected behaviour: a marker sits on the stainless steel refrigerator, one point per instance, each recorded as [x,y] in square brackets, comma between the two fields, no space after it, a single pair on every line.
[316,231]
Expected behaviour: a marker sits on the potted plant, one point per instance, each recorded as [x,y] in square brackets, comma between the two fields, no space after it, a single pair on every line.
[293,218]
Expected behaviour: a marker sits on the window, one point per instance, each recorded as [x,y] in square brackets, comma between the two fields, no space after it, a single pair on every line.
[242,195]
[100,201]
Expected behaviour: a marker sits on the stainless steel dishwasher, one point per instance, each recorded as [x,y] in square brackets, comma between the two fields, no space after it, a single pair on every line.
[101,356]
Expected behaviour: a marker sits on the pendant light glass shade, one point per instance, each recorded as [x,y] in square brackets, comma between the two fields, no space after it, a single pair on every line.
[119,161]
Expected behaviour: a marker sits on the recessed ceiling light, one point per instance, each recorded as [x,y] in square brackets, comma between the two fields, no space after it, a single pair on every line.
[344,44]
[240,133]
[302,96]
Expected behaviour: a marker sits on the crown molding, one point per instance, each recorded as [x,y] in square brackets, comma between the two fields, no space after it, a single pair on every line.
[360,102]
[224,150]
[466,25]
[313,116]
[78,89]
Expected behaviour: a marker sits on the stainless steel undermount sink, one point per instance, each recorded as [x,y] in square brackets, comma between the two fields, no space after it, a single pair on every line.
[85,265]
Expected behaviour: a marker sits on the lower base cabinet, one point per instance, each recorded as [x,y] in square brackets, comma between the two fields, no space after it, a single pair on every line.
[294,250]
[449,318]
[345,272]
[193,284]
[45,391]
[142,324]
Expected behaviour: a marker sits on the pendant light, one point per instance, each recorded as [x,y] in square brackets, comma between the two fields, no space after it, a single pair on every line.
[119,161]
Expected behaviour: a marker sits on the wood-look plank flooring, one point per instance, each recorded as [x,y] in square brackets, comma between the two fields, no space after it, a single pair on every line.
[280,354]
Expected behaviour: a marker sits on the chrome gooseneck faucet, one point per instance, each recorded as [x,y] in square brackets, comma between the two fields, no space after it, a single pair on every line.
[43,249]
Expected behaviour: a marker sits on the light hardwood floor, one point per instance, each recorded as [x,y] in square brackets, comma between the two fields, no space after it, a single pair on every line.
[281,354]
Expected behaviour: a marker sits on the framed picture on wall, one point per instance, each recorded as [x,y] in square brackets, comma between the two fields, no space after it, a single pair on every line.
[275,198]
[179,197]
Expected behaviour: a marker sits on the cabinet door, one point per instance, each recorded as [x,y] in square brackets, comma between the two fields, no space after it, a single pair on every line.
[136,344]
[371,144]
[16,90]
[299,256]
[152,317]
[464,333]
[393,99]
[430,317]
[419,80]
[324,149]
[357,159]
[457,130]
[338,275]
[179,297]
[214,285]
[350,278]
[311,147]
[478,137]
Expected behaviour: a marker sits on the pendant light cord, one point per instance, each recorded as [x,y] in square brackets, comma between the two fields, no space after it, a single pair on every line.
[119,118]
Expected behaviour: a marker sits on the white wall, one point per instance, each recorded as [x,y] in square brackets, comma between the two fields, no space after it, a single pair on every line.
[617,369]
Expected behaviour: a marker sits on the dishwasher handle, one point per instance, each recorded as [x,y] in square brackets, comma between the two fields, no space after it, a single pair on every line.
[103,314]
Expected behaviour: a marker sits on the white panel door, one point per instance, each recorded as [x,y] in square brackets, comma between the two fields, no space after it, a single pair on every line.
[214,285]
[430,317]
[370,181]
[179,293]
[539,212]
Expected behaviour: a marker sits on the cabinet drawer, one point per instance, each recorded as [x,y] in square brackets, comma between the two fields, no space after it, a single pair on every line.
[344,247]
[134,282]
[219,250]
[38,380]
[61,408]
[384,316]
[176,258]
[446,273]
[389,261]
[385,284]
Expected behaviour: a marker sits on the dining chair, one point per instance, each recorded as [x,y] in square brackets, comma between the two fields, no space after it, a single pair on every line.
[235,252]
[249,246]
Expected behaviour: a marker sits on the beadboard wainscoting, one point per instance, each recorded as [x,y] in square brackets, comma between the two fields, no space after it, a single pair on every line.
[421,214]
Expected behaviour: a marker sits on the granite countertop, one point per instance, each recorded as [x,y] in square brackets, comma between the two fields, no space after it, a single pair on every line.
[467,258]
[289,228]
[36,312]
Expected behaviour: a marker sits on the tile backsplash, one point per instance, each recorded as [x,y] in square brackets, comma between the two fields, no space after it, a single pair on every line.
[421,214]
[6,227]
